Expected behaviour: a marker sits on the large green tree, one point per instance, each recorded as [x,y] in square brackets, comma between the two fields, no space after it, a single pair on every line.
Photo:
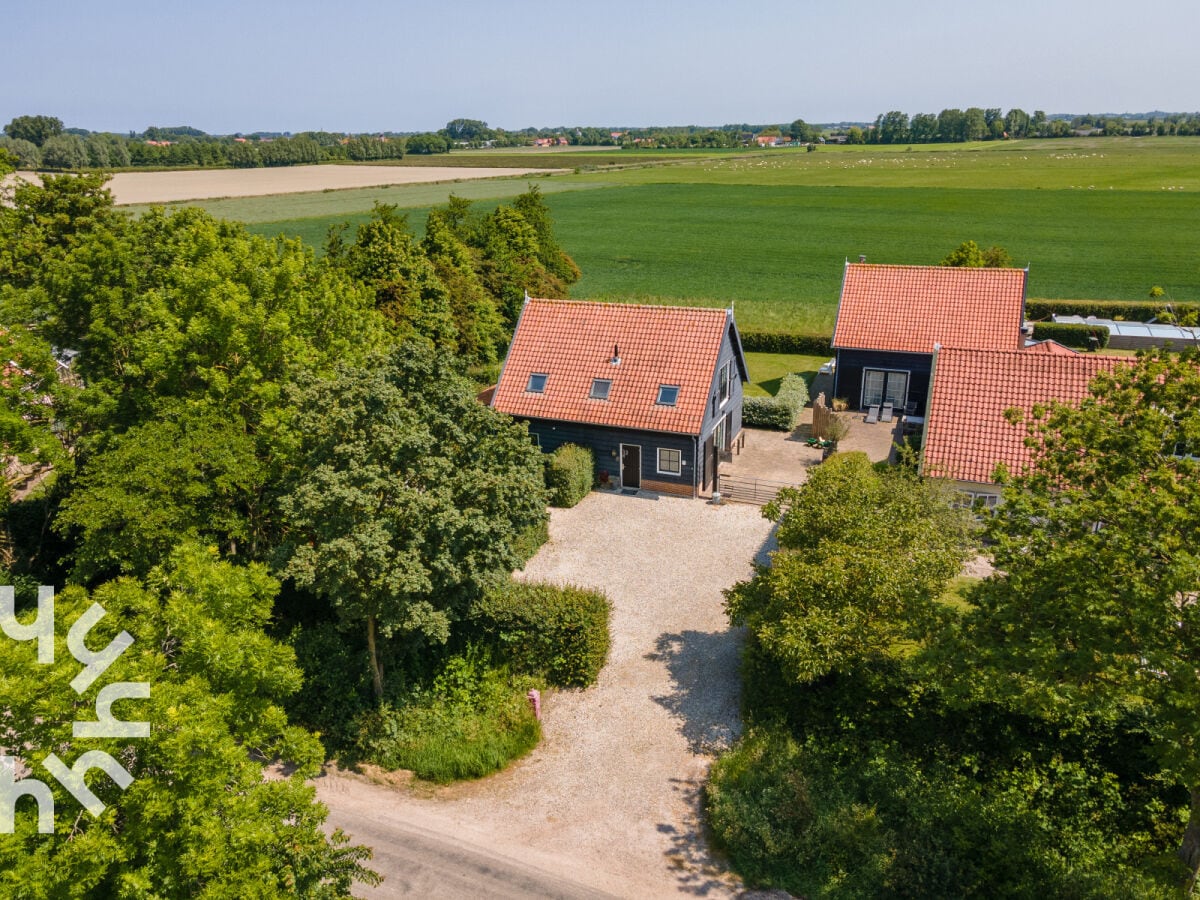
[863,557]
[409,500]
[1094,612]
[35,129]
[198,818]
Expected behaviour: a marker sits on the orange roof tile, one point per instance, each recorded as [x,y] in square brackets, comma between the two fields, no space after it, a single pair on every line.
[572,343]
[966,433]
[911,308]
[1051,348]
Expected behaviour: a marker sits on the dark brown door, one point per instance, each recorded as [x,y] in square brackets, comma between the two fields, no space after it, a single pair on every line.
[707,456]
[631,466]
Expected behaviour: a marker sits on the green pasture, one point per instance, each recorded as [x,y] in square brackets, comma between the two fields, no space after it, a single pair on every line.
[777,253]
[1167,164]
[332,205]
[769,231]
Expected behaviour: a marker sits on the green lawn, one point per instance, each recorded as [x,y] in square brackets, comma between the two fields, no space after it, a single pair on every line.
[767,369]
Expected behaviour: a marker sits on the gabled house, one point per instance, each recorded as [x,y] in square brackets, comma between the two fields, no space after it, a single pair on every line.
[890,319]
[654,391]
[967,433]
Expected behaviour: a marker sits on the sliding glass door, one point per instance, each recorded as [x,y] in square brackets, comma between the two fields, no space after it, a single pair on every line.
[880,385]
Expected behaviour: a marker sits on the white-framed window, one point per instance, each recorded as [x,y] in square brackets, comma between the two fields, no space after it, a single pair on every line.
[721,435]
[723,384]
[668,394]
[975,500]
[670,462]
[537,383]
[600,389]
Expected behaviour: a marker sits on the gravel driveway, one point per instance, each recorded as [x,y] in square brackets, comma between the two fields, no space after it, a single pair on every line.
[612,794]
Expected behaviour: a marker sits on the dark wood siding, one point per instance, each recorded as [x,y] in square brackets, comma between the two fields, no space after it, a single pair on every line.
[605,444]
[850,365]
[713,412]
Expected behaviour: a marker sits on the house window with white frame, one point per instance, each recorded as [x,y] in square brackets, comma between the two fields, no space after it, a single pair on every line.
[668,394]
[536,383]
[723,384]
[670,462]
[600,389]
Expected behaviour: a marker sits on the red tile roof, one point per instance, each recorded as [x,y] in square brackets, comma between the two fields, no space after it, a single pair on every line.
[966,433]
[572,343]
[911,308]
[1051,348]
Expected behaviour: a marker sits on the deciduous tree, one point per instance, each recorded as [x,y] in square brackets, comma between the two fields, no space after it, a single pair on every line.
[198,818]
[863,556]
[1094,611]
[409,500]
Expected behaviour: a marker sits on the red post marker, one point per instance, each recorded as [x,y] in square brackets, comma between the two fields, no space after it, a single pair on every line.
[535,701]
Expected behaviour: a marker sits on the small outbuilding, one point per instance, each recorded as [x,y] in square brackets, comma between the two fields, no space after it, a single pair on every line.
[890,319]
[654,391]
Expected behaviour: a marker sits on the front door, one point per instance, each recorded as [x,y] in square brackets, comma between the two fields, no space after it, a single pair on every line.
[631,466]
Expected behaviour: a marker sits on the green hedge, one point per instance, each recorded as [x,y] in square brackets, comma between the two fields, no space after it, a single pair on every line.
[1071,335]
[1121,310]
[780,342]
[569,473]
[530,540]
[559,633]
[781,412]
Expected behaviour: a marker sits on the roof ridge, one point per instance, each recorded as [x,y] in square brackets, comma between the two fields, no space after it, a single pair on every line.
[937,267]
[618,304]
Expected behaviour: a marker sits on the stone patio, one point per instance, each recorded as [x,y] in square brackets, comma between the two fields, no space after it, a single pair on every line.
[785,457]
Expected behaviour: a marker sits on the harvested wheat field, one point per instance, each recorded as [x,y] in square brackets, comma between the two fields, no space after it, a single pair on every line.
[130,188]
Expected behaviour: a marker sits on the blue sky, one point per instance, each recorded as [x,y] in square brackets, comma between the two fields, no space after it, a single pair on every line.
[370,65]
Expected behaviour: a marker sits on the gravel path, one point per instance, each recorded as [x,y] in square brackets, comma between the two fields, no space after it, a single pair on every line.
[613,791]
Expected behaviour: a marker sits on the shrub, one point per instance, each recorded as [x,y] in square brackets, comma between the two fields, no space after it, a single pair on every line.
[569,473]
[1071,335]
[781,412]
[782,342]
[472,721]
[1129,311]
[530,540]
[558,633]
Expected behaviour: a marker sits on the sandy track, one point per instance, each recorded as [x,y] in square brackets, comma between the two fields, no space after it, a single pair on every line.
[612,795]
[204,184]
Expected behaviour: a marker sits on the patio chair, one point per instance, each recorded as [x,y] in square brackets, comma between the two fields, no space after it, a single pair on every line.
[886,414]
[873,414]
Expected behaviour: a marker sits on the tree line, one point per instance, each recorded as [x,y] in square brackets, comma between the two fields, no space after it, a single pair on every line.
[272,471]
[978,124]
[41,142]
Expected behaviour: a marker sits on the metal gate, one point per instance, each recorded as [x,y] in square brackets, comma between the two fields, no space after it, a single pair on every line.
[742,489]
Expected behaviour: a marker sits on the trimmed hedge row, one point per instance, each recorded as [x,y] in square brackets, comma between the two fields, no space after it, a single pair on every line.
[781,412]
[1129,311]
[1071,335]
[559,633]
[569,473]
[779,342]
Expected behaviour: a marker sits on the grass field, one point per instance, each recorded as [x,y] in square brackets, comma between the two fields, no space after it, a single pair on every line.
[769,231]
[768,369]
